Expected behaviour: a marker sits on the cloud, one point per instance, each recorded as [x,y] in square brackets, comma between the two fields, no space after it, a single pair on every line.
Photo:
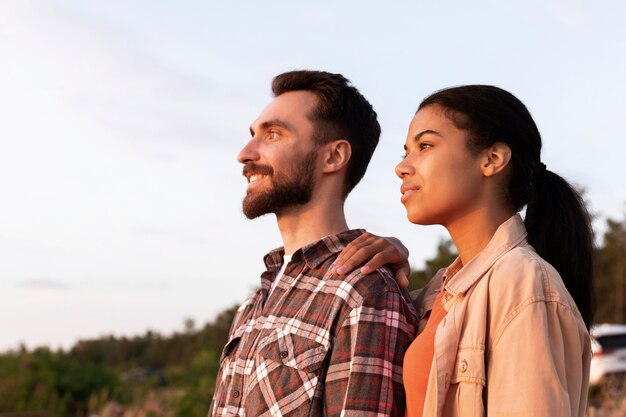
[569,13]
[96,72]
[184,238]
[43,284]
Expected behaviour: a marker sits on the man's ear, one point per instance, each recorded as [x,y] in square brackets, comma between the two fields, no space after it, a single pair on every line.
[495,159]
[335,155]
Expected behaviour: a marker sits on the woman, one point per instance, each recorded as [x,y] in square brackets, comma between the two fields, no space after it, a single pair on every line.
[507,331]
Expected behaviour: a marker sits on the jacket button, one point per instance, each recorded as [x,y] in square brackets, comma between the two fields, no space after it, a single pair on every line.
[284,354]
[236,394]
[463,366]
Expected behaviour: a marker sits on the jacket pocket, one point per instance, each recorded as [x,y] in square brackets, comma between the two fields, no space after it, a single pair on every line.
[230,347]
[291,366]
[294,351]
[467,382]
[469,365]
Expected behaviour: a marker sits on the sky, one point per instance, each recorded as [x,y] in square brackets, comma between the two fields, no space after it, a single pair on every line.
[120,122]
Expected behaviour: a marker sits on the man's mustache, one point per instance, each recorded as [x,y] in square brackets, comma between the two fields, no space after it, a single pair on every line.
[251,168]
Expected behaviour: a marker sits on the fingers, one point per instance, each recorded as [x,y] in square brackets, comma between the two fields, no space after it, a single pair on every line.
[402,276]
[370,253]
[356,253]
[374,252]
[380,259]
[397,244]
[353,247]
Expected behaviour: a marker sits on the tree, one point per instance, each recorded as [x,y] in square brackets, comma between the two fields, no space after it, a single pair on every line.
[446,254]
[610,274]
[200,383]
[52,381]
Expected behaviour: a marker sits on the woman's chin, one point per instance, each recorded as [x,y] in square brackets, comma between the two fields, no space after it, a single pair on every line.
[420,219]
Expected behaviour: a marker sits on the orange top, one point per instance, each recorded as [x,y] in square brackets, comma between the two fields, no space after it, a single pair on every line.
[418,360]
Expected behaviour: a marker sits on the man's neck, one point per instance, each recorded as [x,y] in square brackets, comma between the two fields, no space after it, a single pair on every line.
[306,224]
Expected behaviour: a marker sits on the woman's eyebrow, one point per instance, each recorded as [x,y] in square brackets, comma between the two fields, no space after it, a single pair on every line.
[424,132]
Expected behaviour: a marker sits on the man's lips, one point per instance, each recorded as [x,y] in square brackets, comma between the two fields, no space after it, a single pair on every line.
[255,177]
[407,191]
[254,172]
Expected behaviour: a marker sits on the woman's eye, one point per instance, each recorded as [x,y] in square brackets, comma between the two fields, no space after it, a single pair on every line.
[425,145]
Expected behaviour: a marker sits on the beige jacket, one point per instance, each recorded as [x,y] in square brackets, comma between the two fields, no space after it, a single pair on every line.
[513,342]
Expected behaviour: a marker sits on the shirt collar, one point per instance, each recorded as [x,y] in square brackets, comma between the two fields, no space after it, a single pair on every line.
[459,278]
[313,253]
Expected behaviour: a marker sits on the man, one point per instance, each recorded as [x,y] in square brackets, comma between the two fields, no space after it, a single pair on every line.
[309,342]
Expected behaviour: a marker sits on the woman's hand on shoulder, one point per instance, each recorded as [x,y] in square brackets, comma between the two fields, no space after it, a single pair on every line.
[372,252]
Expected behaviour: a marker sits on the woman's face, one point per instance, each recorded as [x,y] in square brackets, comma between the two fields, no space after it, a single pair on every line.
[441,179]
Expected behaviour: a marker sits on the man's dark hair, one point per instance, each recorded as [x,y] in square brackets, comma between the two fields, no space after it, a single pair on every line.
[341,113]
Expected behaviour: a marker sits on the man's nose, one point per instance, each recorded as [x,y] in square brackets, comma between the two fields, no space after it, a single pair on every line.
[249,153]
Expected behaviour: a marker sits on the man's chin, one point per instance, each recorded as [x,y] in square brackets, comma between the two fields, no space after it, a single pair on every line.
[251,215]
[256,206]
[278,201]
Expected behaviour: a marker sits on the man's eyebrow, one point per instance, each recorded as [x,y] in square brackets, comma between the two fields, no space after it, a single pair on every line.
[273,123]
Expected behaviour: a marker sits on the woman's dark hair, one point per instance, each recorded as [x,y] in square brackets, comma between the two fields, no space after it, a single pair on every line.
[557,221]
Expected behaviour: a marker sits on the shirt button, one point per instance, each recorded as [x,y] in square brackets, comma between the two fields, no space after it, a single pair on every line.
[236,394]
[463,366]
[284,354]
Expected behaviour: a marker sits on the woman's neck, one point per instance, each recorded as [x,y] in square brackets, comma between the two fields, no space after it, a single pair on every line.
[472,233]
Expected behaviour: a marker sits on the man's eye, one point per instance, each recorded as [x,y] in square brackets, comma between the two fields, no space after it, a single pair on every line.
[272,134]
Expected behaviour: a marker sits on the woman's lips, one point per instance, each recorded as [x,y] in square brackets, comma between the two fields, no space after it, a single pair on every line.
[407,192]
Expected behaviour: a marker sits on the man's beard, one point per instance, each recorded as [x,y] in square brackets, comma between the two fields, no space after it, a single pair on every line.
[292,186]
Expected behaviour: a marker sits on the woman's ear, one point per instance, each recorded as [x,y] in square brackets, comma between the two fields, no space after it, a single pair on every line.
[495,159]
[335,155]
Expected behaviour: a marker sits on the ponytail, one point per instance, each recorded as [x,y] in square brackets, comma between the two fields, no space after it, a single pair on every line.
[559,229]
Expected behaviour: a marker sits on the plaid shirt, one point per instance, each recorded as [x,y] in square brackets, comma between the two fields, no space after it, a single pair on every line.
[320,344]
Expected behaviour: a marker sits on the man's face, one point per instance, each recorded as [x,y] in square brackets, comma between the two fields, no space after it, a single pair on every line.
[280,159]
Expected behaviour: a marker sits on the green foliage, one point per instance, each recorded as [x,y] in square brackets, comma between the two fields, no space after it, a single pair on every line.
[445,255]
[610,274]
[200,382]
[180,370]
[45,380]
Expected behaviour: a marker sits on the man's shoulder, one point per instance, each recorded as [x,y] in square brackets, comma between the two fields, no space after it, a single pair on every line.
[245,310]
[356,287]
[377,282]
[377,293]
[249,302]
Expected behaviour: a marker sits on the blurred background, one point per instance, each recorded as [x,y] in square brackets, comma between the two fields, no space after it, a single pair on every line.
[123,249]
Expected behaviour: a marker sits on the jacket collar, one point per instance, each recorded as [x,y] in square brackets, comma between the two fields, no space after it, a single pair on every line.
[459,278]
[314,253]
